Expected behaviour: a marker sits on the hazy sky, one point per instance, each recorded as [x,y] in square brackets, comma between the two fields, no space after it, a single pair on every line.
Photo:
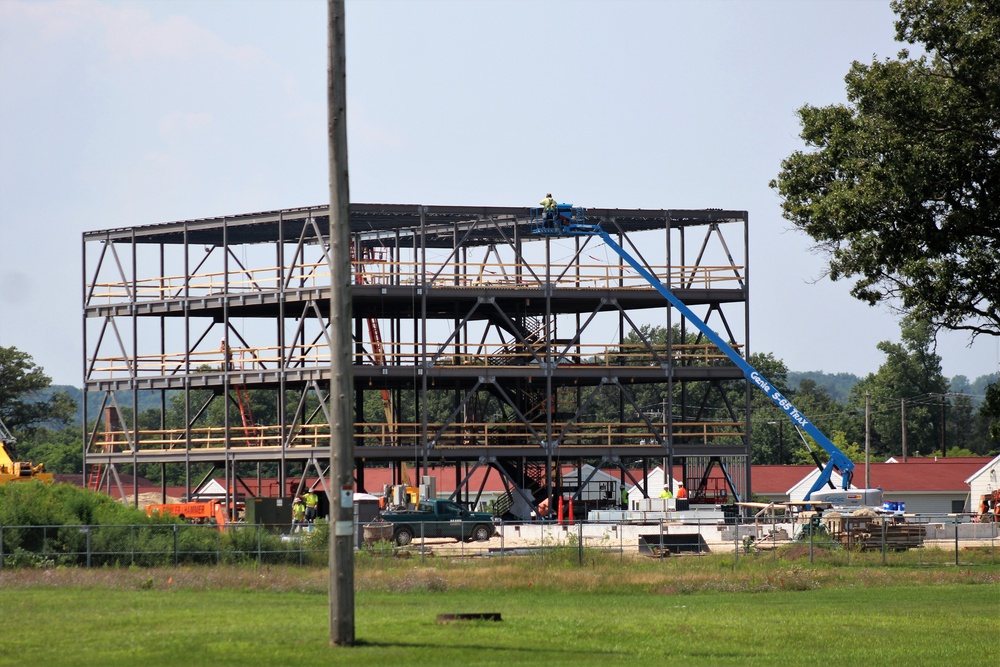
[115,114]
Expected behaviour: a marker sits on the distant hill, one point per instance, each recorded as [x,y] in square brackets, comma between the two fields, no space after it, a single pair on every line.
[147,399]
[839,385]
[974,388]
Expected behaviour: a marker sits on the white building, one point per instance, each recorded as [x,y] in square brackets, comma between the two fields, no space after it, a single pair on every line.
[927,485]
[983,481]
[654,485]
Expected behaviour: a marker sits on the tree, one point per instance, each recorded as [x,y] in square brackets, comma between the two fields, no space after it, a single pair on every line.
[20,407]
[911,372]
[828,415]
[851,450]
[901,187]
[961,425]
[61,451]
[991,411]
[772,433]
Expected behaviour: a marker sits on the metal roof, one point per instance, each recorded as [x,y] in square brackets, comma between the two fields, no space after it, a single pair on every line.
[402,224]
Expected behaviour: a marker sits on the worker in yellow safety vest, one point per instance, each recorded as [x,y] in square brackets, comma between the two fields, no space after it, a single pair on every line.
[548,207]
[312,502]
[665,493]
[298,515]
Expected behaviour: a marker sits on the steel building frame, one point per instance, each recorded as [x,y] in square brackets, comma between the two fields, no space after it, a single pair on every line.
[456,309]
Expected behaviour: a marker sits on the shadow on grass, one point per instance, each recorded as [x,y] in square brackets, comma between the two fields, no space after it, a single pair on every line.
[533,650]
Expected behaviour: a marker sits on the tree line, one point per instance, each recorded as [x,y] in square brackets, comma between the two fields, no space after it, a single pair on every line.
[907,397]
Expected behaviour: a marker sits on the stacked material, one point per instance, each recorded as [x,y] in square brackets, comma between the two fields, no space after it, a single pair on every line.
[867,531]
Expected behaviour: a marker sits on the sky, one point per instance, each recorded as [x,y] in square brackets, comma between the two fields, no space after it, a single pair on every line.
[117,114]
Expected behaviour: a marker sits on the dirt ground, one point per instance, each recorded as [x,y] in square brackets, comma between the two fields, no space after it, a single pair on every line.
[146,499]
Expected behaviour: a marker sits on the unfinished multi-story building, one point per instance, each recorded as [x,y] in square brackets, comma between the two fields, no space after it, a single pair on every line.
[476,343]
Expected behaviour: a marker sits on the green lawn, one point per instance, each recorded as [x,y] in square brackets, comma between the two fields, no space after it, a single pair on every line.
[79,624]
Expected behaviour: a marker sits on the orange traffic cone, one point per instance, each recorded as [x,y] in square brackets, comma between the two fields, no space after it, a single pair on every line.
[570,502]
[559,511]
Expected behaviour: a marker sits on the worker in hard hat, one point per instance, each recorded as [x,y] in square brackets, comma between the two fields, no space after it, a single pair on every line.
[298,515]
[681,491]
[548,208]
[311,501]
[665,493]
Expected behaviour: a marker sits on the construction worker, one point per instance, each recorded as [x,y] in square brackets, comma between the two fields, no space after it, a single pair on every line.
[311,501]
[298,515]
[548,207]
[665,493]
[681,491]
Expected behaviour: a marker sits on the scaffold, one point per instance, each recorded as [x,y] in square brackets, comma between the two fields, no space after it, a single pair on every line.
[481,343]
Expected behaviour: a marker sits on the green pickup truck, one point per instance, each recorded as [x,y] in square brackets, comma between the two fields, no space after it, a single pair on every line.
[439,518]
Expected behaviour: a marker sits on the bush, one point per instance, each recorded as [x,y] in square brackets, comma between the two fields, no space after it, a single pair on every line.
[36,504]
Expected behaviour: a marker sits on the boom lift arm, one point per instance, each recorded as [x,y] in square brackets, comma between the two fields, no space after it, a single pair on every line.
[577,227]
[5,435]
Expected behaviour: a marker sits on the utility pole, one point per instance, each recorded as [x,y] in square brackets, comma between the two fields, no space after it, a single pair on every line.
[781,442]
[341,358]
[902,417]
[868,440]
[668,463]
[944,451]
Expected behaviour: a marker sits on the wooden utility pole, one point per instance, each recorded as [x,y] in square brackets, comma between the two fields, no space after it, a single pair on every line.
[781,442]
[902,419]
[341,361]
[868,440]
[944,445]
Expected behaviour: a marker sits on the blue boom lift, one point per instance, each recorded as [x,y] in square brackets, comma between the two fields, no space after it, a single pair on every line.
[568,220]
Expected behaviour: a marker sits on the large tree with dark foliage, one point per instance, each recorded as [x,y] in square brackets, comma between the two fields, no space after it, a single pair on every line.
[900,187]
[31,415]
[21,406]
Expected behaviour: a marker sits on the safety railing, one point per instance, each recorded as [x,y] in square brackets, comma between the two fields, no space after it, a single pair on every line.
[403,354]
[313,275]
[411,434]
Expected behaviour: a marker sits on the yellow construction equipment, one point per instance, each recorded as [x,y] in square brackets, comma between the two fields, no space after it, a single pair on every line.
[17,471]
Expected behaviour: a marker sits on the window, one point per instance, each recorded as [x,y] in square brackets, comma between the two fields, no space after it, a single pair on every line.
[957,506]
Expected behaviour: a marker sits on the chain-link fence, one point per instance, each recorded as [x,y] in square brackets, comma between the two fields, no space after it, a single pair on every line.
[158,545]
[840,540]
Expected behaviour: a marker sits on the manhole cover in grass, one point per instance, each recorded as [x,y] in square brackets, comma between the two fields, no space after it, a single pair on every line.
[452,618]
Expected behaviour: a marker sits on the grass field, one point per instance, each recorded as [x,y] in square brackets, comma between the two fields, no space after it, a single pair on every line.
[690,612]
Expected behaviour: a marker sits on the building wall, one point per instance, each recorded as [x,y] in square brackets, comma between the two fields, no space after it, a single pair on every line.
[987,480]
[601,488]
[929,503]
